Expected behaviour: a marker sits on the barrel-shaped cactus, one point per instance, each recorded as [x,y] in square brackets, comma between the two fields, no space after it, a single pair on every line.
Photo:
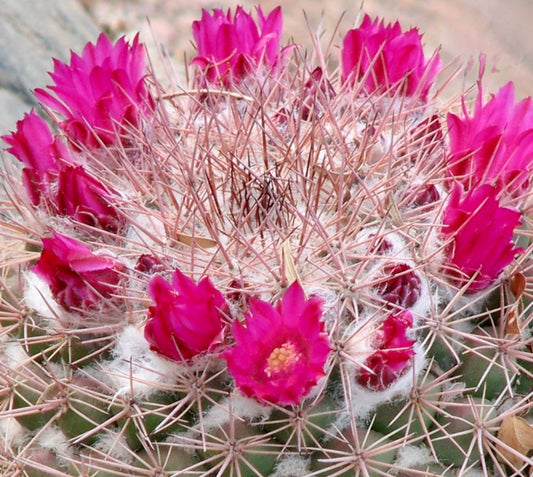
[281,269]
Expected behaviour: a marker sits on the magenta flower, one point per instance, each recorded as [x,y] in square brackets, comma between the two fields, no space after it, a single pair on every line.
[41,153]
[394,352]
[279,352]
[229,49]
[494,145]
[481,236]
[388,60]
[85,199]
[52,179]
[78,279]
[187,318]
[102,93]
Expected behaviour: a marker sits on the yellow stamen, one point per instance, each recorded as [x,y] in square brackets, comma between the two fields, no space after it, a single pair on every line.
[282,359]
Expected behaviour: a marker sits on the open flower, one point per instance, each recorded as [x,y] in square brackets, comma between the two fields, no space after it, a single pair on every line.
[101,93]
[480,233]
[187,318]
[494,145]
[78,279]
[85,199]
[229,49]
[394,353]
[41,153]
[388,60]
[279,352]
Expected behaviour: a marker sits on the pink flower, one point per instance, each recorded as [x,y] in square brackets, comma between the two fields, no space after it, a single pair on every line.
[279,352]
[494,145]
[52,179]
[41,153]
[229,49]
[85,199]
[394,351]
[481,236]
[187,318]
[388,60]
[79,279]
[102,93]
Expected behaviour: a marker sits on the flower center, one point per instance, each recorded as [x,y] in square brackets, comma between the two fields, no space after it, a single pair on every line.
[282,359]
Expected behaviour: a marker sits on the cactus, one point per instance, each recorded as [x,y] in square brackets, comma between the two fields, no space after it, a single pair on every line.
[280,269]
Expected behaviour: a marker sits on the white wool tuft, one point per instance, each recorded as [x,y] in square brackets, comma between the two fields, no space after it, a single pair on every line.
[143,230]
[135,368]
[38,297]
[53,439]
[237,405]
[13,354]
[114,445]
[291,466]
[411,456]
[473,473]
[11,432]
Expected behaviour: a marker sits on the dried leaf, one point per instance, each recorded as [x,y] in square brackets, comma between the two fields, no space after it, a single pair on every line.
[328,173]
[189,240]
[512,325]
[287,262]
[394,213]
[517,285]
[517,433]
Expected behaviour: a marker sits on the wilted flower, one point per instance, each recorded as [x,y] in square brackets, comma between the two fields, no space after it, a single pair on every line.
[426,136]
[394,352]
[280,352]
[480,233]
[78,279]
[101,93]
[187,318]
[229,48]
[422,195]
[83,198]
[401,286]
[41,153]
[494,145]
[388,59]
[316,87]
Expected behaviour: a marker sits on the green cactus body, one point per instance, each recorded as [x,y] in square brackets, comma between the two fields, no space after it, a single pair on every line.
[485,369]
[84,411]
[34,399]
[455,438]
[369,453]
[156,422]
[304,427]
[239,448]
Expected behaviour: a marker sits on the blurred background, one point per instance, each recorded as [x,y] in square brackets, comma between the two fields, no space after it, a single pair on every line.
[35,31]
[462,28]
